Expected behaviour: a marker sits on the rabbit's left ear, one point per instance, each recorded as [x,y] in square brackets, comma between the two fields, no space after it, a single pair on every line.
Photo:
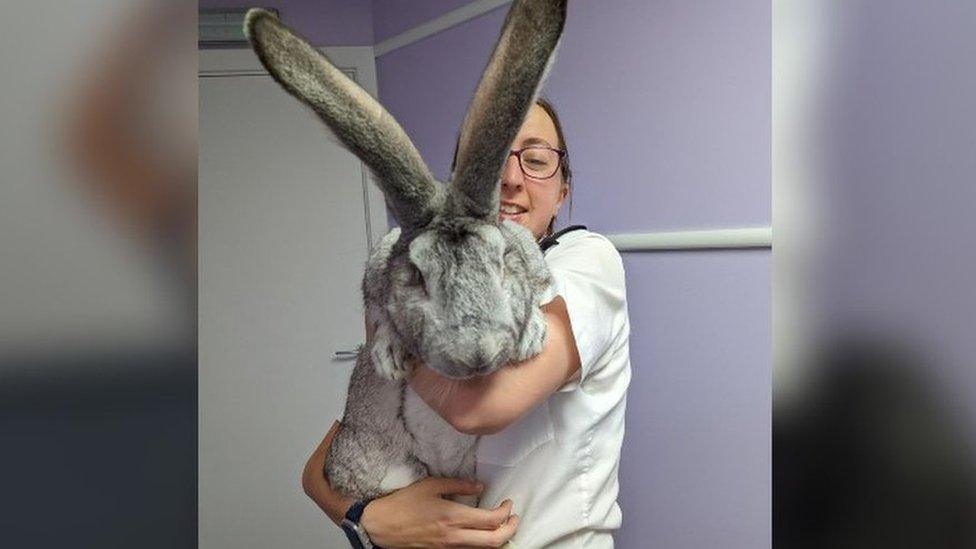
[357,119]
[508,87]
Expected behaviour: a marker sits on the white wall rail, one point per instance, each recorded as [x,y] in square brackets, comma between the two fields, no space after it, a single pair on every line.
[450,19]
[717,239]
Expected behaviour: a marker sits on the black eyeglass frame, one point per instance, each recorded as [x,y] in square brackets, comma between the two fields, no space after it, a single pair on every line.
[517,153]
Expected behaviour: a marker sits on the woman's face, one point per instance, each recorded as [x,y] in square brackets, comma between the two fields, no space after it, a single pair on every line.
[531,202]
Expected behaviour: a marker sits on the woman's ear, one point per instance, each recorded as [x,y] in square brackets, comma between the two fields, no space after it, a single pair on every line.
[563,193]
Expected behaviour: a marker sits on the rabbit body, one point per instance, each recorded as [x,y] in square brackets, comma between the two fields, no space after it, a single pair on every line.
[478,310]
[391,438]
[453,287]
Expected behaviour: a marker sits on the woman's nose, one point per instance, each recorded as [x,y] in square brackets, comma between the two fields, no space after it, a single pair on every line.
[512,174]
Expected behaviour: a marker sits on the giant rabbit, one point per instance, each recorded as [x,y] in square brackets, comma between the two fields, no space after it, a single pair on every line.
[451,287]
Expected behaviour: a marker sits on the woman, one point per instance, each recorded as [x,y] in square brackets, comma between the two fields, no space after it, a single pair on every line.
[552,425]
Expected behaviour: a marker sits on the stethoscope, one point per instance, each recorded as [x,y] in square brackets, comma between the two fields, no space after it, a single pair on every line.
[549,241]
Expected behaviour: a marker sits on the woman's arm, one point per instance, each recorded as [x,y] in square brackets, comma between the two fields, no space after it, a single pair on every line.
[315,485]
[415,516]
[488,404]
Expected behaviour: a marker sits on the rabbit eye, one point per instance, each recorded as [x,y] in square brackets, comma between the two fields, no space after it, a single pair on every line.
[417,280]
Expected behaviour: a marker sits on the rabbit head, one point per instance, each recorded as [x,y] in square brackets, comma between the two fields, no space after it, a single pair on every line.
[452,286]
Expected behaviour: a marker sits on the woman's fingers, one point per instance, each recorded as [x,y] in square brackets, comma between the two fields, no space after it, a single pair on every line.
[487,538]
[482,519]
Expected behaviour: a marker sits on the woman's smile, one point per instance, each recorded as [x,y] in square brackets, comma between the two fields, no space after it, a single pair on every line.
[513,211]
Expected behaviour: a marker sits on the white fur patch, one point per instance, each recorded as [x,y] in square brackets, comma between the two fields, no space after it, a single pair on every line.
[398,476]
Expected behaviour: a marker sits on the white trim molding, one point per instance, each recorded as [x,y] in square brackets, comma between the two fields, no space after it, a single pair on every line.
[716,239]
[450,19]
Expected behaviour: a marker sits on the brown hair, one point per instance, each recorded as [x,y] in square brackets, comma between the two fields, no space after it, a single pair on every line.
[567,172]
[547,106]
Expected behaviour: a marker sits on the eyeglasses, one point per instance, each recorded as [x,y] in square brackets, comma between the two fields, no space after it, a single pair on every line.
[539,161]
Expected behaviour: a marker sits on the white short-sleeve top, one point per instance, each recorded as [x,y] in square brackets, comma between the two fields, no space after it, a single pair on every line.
[558,464]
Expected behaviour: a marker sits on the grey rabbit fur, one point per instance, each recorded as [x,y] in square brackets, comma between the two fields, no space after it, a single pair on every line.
[452,287]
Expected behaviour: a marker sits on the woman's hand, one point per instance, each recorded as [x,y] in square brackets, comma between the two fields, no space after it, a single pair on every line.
[417,515]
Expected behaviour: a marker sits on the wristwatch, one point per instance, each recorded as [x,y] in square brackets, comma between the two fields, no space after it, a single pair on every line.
[355,531]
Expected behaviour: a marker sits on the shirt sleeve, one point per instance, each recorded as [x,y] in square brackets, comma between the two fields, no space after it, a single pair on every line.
[588,274]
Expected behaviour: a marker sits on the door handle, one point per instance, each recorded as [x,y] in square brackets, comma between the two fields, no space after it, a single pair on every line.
[343,354]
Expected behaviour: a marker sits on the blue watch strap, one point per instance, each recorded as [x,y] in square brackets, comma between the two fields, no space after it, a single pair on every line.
[357,535]
[355,512]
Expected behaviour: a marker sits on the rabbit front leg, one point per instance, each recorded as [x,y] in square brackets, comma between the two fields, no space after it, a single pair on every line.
[386,353]
[370,454]
[386,350]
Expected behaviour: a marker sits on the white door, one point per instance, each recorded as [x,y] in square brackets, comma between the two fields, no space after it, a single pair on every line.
[286,218]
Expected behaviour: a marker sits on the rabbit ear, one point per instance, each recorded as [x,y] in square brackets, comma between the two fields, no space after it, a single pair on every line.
[360,122]
[508,87]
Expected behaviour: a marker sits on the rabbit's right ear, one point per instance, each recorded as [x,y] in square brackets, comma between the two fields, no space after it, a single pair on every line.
[508,87]
[358,120]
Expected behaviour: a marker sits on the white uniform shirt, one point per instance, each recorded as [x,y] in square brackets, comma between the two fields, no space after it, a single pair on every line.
[559,463]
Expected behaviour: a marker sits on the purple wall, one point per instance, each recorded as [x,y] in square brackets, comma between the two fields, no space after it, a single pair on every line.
[427,85]
[322,22]
[668,107]
[695,469]
[391,17]
[667,112]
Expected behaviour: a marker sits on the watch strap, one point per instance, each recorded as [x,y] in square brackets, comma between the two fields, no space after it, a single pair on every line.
[357,535]
[355,512]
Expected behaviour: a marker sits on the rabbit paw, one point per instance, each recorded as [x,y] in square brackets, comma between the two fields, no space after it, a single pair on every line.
[387,355]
